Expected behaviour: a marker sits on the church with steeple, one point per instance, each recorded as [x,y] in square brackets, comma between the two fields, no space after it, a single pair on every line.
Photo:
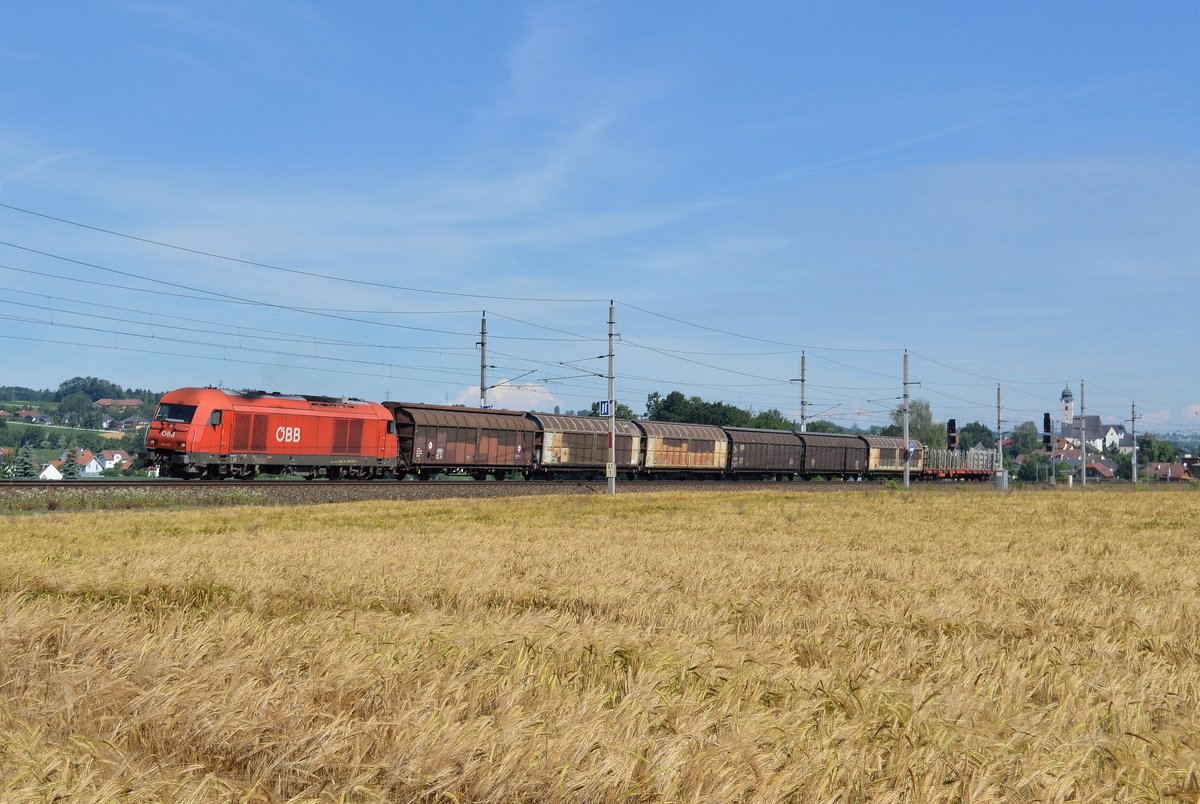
[1099,436]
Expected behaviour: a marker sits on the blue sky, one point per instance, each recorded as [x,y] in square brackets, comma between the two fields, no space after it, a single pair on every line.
[1010,191]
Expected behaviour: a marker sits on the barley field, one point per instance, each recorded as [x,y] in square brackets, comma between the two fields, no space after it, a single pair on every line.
[937,645]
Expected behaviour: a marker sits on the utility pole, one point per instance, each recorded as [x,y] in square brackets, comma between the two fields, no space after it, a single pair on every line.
[907,453]
[1133,417]
[483,361]
[999,435]
[1082,436]
[803,392]
[612,402]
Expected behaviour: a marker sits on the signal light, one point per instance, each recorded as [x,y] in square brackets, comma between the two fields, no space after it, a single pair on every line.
[1046,432]
[952,434]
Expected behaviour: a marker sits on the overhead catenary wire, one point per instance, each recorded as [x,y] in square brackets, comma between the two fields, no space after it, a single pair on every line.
[341,314]
[216,296]
[298,271]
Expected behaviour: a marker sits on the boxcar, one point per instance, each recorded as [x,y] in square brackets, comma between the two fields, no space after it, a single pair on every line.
[206,432]
[885,455]
[435,439]
[762,453]
[579,444]
[833,455]
[683,448]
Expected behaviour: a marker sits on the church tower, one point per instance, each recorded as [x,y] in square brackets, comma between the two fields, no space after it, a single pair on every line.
[1068,407]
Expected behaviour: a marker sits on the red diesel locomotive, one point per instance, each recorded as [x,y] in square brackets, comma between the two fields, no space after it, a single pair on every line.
[209,433]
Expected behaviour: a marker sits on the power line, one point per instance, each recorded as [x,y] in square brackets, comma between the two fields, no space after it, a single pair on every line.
[298,271]
[749,337]
[214,296]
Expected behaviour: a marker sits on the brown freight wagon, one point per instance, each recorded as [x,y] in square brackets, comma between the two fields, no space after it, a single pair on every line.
[579,444]
[764,453]
[435,438]
[831,455]
[684,448]
[885,455]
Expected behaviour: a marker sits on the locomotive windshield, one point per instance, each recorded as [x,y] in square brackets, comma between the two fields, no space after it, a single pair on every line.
[168,412]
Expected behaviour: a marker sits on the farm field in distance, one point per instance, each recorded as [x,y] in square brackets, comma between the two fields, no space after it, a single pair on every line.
[938,645]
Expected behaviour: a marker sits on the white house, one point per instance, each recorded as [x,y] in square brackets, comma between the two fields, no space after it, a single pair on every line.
[110,458]
[89,464]
[50,472]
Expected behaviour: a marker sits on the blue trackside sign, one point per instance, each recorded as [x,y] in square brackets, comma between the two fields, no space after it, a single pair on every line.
[604,407]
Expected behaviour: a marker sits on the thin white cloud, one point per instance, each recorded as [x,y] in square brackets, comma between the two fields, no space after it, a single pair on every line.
[29,170]
[855,161]
[511,397]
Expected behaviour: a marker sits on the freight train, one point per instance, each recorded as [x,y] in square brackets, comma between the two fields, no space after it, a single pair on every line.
[207,433]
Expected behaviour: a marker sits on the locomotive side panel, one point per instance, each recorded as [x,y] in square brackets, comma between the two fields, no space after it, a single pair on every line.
[242,434]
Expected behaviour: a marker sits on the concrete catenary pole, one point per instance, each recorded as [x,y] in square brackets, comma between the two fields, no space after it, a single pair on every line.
[483,361]
[906,451]
[1082,437]
[999,435]
[1133,417]
[803,392]
[612,401]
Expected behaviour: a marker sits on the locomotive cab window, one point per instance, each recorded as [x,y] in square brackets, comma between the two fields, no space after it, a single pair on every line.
[214,418]
[170,412]
[391,428]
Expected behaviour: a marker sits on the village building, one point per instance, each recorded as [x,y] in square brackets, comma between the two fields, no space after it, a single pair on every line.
[1099,436]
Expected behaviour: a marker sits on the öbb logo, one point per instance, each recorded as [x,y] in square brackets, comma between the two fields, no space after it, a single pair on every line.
[288,435]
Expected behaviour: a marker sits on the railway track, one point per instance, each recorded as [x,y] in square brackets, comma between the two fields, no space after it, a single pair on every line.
[286,492]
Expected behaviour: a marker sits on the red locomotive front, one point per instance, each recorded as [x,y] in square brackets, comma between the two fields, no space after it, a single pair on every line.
[206,432]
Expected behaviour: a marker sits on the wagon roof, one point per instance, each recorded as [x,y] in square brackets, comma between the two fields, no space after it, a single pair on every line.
[674,430]
[450,416]
[553,422]
[750,435]
[830,439]
[884,442]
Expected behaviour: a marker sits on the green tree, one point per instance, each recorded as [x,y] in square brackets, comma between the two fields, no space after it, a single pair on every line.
[1124,462]
[825,426]
[976,433]
[74,407]
[675,407]
[1035,467]
[921,425]
[70,469]
[94,387]
[1156,450]
[25,465]
[1026,438]
[772,420]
